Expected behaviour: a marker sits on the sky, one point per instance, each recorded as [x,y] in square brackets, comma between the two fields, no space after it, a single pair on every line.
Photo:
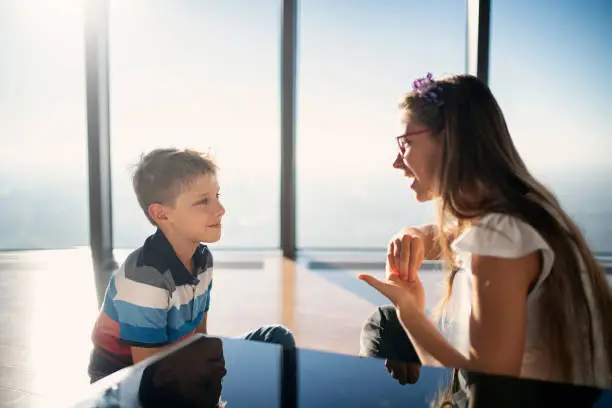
[205,74]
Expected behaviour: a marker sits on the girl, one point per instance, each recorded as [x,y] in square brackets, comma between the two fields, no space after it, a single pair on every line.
[538,301]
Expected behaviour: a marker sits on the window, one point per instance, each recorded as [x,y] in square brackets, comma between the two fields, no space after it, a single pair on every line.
[356,59]
[551,80]
[204,75]
[43,160]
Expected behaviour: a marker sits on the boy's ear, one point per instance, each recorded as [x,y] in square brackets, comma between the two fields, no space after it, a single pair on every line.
[157,212]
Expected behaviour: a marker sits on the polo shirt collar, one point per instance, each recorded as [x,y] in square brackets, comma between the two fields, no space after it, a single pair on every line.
[159,246]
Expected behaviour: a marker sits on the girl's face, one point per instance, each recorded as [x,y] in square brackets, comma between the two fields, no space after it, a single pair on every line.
[419,158]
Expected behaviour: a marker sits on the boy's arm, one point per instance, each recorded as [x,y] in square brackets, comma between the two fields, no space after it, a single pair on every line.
[142,353]
[142,315]
[202,327]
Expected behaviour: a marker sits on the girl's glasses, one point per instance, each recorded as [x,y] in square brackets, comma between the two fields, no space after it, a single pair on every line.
[401,139]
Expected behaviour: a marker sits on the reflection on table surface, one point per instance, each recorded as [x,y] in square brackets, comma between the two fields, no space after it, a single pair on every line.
[208,372]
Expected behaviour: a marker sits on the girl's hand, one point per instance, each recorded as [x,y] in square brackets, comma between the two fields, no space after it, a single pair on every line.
[405,254]
[402,285]
[407,297]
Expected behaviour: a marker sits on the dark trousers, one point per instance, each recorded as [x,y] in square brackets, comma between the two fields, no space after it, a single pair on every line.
[272,334]
[383,336]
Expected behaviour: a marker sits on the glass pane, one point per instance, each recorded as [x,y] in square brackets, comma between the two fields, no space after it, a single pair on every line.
[356,60]
[473,13]
[204,75]
[550,77]
[43,160]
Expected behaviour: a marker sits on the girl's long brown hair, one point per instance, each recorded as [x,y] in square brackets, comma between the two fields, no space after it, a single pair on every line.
[478,156]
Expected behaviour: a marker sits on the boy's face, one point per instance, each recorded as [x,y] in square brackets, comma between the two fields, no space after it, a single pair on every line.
[197,212]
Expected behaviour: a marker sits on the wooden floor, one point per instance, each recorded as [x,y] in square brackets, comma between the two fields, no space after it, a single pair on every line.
[48,306]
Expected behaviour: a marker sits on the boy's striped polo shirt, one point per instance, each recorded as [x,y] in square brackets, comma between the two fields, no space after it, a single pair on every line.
[151,301]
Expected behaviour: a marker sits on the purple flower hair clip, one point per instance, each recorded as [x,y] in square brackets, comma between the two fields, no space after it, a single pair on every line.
[428,89]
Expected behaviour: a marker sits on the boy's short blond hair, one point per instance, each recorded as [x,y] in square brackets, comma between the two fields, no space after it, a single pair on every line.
[162,174]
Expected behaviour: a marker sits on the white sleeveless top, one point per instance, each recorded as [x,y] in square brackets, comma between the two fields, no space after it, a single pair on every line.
[505,236]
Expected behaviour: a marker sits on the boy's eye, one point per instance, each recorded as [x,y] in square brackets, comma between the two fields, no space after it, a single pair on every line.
[206,201]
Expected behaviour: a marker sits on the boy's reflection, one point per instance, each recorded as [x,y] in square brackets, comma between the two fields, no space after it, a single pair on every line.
[189,377]
[383,336]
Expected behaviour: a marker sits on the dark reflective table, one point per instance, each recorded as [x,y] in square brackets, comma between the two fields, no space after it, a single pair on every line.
[203,371]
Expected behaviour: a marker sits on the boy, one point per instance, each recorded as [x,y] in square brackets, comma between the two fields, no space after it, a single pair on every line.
[161,293]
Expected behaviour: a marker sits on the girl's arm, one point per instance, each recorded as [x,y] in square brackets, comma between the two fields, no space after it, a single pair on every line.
[497,321]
